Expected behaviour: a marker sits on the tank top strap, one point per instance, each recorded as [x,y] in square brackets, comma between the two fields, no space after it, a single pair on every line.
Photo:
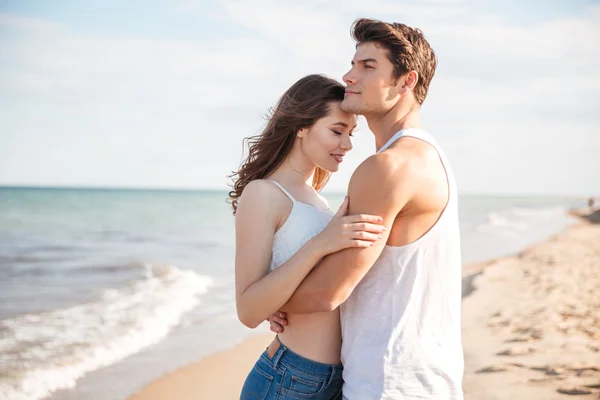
[428,138]
[391,141]
[418,134]
[411,132]
[283,190]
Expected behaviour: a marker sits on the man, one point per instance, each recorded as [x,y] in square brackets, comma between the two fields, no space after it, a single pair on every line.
[400,299]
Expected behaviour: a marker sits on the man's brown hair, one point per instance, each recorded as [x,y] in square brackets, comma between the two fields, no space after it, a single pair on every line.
[407,47]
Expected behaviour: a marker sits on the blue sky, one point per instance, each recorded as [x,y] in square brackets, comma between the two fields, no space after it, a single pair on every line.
[161,94]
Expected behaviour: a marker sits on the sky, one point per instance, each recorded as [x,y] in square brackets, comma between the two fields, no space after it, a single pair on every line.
[161,94]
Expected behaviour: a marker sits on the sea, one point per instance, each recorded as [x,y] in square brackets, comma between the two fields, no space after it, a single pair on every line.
[104,290]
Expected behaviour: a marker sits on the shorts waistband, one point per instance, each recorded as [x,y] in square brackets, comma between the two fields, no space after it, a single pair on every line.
[278,353]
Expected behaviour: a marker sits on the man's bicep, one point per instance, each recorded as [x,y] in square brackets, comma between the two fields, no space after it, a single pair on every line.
[367,196]
[372,192]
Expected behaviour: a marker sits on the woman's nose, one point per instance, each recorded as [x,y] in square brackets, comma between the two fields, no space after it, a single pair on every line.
[346,143]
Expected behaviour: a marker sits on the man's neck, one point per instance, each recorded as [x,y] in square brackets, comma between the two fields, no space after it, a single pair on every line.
[386,125]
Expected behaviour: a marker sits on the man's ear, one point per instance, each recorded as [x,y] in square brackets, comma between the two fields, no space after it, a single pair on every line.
[408,82]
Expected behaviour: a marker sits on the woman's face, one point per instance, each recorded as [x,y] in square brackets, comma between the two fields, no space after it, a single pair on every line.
[329,139]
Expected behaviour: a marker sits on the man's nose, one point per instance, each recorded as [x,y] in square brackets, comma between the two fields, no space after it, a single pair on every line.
[348,78]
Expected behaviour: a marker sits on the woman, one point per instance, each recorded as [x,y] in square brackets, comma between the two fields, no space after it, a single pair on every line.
[284,227]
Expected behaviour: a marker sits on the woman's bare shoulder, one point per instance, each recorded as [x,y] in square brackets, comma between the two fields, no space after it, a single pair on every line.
[262,196]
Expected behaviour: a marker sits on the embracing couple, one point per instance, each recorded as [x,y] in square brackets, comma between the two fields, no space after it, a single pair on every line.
[365,301]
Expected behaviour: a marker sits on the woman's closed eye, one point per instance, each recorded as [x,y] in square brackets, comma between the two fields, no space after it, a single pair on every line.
[339,133]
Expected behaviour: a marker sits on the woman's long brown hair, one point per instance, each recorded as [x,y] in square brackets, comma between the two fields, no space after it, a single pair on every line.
[307,101]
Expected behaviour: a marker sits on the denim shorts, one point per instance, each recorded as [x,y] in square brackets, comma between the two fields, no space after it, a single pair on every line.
[288,376]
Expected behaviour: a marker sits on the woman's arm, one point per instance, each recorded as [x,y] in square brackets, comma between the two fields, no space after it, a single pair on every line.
[258,292]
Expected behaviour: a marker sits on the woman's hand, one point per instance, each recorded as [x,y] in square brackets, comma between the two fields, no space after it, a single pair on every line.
[277,321]
[345,231]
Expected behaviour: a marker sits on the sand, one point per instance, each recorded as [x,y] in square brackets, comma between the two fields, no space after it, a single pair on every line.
[531,329]
[219,376]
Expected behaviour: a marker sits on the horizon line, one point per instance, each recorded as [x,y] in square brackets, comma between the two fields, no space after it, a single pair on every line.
[224,190]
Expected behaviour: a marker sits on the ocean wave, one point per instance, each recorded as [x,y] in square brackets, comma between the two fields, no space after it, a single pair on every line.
[520,220]
[43,352]
[15,271]
[543,213]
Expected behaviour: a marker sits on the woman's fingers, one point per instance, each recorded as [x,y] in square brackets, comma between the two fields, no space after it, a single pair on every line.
[360,235]
[277,321]
[275,327]
[352,219]
[361,243]
[367,227]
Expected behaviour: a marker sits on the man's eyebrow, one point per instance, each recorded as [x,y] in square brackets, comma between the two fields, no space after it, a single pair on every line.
[364,61]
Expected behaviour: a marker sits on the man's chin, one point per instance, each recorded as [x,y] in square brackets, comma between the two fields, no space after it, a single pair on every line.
[351,108]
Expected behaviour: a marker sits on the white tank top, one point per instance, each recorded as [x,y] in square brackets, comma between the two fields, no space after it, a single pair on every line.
[401,326]
[304,222]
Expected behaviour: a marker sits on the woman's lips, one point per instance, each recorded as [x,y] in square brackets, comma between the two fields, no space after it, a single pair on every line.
[338,158]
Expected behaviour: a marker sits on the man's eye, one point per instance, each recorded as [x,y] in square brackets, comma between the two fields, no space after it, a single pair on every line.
[368,67]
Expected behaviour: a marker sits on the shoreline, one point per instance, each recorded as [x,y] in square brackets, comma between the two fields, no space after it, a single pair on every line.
[505,357]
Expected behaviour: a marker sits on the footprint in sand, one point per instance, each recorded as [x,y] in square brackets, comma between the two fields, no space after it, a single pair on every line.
[550,371]
[518,339]
[546,379]
[585,372]
[490,369]
[529,336]
[594,386]
[505,322]
[516,364]
[516,351]
[576,391]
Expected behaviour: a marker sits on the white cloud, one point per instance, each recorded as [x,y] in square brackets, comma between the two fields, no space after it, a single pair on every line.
[145,112]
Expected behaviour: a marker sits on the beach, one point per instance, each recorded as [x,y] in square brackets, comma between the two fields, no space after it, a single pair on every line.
[531,329]
[106,292]
[219,376]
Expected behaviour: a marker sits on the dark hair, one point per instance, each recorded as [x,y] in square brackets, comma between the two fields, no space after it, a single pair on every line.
[307,101]
[408,50]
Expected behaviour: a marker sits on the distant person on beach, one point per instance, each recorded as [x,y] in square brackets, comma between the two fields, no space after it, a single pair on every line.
[591,203]
[284,227]
[400,299]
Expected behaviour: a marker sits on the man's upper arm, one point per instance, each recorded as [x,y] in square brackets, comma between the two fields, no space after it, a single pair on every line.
[375,188]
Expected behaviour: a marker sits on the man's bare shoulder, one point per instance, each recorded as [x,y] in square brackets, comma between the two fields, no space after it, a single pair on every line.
[424,171]
[385,176]
[400,174]
[415,151]
[393,166]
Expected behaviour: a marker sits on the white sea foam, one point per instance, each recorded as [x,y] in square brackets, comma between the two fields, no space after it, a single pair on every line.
[44,352]
[524,221]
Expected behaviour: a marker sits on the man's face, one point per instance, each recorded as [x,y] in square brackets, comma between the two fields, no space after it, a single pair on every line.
[371,87]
